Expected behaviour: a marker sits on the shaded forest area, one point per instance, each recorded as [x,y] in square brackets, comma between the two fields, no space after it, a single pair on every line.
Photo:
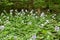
[37,5]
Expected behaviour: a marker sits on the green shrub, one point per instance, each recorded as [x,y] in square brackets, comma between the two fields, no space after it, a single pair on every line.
[26,27]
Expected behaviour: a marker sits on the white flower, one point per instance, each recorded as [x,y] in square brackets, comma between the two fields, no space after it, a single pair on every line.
[42,25]
[11,11]
[18,13]
[8,17]
[31,11]
[33,37]
[29,23]
[2,27]
[15,36]
[26,10]
[54,14]
[57,28]
[47,21]
[22,10]
[42,14]
[53,17]
[16,10]
[36,16]
[48,10]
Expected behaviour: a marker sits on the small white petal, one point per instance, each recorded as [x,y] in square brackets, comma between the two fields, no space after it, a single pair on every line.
[34,37]
[42,24]
[8,17]
[31,11]
[48,10]
[22,10]
[47,21]
[36,16]
[42,14]
[54,14]
[57,28]
[26,11]
[2,27]
[16,10]
[11,11]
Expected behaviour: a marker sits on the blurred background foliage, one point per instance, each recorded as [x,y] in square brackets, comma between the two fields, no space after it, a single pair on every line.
[53,5]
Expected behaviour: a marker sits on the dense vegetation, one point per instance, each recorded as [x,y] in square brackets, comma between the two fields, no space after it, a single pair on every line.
[29,27]
[29,19]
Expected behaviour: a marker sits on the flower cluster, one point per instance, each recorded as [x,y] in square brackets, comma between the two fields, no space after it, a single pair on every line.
[24,23]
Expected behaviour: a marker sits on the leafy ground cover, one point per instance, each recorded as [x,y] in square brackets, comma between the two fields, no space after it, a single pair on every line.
[29,26]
